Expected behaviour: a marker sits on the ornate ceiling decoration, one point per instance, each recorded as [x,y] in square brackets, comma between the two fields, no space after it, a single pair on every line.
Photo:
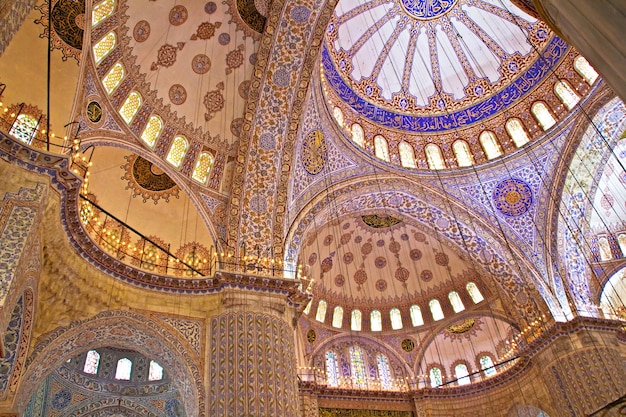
[68,23]
[147,180]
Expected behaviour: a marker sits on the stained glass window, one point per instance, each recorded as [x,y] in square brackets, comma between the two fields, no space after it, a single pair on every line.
[416,315]
[407,157]
[152,130]
[605,249]
[396,319]
[384,373]
[516,131]
[24,128]
[434,156]
[490,144]
[376,321]
[462,153]
[486,364]
[582,66]
[355,320]
[104,46]
[474,292]
[566,94]
[358,136]
[436,379]
[203,167]
[455,300]
[338,115]
[91,362]
[131,106]
[462,375]
[435,310]
[543,115]
[338,317]
[113,78]
[177,151]
[321,311]
[621,240]
[307,309]
[381,148]
[124,367]
[155,373]
[332,369]
[357,367]
[101,11]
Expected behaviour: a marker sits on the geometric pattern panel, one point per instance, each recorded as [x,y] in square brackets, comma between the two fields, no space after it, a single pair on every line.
[252,370]
[341,412]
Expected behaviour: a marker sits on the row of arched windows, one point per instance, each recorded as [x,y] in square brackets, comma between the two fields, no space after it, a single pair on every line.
[130,107]
[124,367]
[395,316]
[606,248]
[358,375]
[488,140]
[461,372]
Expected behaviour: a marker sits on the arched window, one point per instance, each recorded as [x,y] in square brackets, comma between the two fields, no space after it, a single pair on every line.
[104,46]
[490,144]
[358,136]
[307,309]
[566,94]
[621,240]
[113,78]
[462,374]
[155,373]
[152,131]
[407,157]
[474,292]
[24,128]
[321,311]
[338,317]
[543,115]
[435,310]
[123,370]
[584,68]
[436,379]
[486,364]
[605,249]
[434,156]
[381,148]
[338,115]
[355,320]
[516,131]
[332,369]
[416,316]
[357,367]
[91,362]
[455,300]
[101,11]
[396,319]
[177,151]
[376,321]
[462,153]
[384,374]
[130,107]
[203,167]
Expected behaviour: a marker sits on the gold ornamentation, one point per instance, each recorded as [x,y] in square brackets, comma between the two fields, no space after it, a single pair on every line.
[408,345]
[311,336]
[314,152]
[94,112]
[464,327]
[377,222]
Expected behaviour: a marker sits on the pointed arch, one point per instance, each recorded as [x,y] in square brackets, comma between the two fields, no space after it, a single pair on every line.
[203,167]
[584,68]
[407,156]
[490,144]
[462,153]
[434,156]
[152,130]
[177,151]
[566,94]
[381,148]
[358,136]
[104,46]
[543,115]
[517,132]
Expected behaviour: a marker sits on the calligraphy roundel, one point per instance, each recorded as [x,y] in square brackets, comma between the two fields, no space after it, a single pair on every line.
[313,152]
[512,197]
[427,9]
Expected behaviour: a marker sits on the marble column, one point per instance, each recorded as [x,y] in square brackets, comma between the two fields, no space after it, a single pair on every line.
[597,29]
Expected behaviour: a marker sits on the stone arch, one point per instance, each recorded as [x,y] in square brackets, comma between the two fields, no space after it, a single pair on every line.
[465,231]
[582,174]
[127,330]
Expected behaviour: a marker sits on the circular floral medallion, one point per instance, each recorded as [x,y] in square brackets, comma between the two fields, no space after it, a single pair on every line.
[380,262]
[366,249]
[201,64]
[313,152]
[223,39]
[210,7]
[358,239]
[394,247]
[345,238]
[94,112]
[178,15]
[61,399]
[419,236]
[415,254]
[408,345]
[235,126]
[442,259]
[512,197]
[402,274]
[348,258]
[339,280]
[312,258]
[178,94]
[141,32]
[427,9]
[327,264]
[328,240]
[426,275]
[360,277]
[244,89]
[381,285]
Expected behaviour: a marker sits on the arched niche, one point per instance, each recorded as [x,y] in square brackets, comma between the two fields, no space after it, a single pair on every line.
[127,330]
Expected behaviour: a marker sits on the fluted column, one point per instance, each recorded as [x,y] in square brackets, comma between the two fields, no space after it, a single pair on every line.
[597,29]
